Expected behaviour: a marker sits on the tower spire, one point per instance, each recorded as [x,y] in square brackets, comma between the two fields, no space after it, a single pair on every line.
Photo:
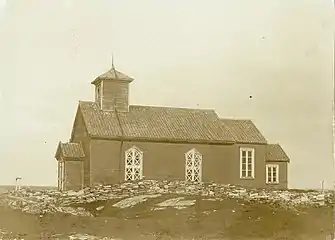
[113,67]
[113,62]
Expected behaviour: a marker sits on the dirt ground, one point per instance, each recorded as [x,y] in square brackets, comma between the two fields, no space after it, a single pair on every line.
[228,219]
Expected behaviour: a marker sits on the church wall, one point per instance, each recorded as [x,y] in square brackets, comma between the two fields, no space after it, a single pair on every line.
[220,163]
[79,134]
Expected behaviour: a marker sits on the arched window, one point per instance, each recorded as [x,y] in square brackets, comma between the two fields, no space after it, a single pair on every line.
[133,164]
[193,166]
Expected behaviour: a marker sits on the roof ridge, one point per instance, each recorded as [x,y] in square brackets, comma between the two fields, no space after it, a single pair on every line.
[157,106]
[236,119]
[71,143]
[86,101]
[278,144]
[170,107]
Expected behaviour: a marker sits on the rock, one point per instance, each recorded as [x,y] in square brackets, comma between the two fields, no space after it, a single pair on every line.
[178,203]
[320,197]
[79,236]
[36,202]
[170,202]
[130,202]
[100,208]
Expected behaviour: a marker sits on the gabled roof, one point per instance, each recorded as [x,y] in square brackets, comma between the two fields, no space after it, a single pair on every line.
[244,131]
[113,74]
[275,153]
[156,124]
[72,151]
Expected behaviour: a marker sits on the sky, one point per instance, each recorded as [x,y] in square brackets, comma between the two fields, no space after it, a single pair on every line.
[203,54]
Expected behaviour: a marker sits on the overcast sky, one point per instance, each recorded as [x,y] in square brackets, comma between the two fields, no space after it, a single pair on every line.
[207,54]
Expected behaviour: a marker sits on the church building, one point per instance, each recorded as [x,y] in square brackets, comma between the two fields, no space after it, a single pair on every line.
[113,141]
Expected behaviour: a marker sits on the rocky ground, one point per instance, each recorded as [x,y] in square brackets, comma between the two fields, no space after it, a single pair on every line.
[166,210]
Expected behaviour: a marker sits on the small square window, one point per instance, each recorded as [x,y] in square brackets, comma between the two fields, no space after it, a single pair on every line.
[272,173]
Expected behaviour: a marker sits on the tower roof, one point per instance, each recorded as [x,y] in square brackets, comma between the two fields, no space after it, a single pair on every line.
[113,75]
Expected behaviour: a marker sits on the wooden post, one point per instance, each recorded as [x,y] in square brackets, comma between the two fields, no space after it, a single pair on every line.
[58,175]
[17,184]
[322,186]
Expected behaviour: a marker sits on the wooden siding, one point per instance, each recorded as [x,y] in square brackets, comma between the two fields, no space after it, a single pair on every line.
[221,163]
[73,175]
[115,94]
[79,134]
[283,175]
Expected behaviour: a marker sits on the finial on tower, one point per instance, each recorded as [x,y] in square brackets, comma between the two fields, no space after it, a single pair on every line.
[113,61]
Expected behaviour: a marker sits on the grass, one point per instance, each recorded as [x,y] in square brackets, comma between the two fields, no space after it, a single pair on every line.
[219,219]
[227,219]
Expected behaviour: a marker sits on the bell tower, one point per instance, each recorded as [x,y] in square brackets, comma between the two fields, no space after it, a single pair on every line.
[112,90]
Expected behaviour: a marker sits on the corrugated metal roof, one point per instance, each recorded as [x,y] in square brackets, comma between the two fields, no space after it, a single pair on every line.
[274,152]
[156,123]
[71,150]
[244,131]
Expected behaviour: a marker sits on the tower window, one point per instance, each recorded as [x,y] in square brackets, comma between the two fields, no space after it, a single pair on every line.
[98,93]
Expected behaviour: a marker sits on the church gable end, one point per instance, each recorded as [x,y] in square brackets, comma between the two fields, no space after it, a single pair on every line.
[79,131]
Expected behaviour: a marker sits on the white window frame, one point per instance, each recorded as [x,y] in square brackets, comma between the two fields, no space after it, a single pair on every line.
[252,152]
[272,166]
[192,167]
[133,166]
